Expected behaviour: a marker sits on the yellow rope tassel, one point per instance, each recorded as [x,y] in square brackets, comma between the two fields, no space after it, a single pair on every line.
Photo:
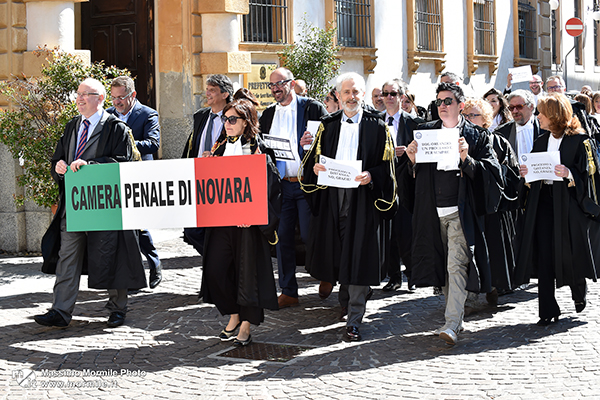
[389,154]
[591,166]
[390,151]
[316,144]
[276,239]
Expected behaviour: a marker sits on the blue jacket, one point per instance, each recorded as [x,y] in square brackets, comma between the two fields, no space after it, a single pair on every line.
[144,125]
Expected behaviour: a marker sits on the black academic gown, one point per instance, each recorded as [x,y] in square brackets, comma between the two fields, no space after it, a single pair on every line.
[113,259]
[477,196]
[256,284]
[500,229]
[358,260]
[572,212]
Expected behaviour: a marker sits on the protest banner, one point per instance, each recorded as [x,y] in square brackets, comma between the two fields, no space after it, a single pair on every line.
[194,192]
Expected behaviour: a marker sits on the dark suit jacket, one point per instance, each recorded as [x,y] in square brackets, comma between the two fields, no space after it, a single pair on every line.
[144,125]
[509,132]
[307,110]
[192,145]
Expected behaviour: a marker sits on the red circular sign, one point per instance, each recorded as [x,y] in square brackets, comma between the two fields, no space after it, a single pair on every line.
[574,27]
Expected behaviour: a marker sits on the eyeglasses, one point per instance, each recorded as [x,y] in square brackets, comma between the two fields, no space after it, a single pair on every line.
[518,107]
[535,83]
[86,94]
[393,94]
[471,115]
[232,120]
[557,87]
[447,101]
[121,97]
[278,84]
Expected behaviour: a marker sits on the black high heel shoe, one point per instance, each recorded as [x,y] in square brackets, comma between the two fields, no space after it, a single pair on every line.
[226,335]
[547,321]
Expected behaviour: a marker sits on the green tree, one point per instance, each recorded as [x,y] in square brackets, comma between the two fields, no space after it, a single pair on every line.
[39,110]
[313,58]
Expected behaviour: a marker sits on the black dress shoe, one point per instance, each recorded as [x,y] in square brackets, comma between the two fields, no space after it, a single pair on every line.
[392,286]
[238,342]
[117,318]
[579,307]
[352,334]
[547,321]
[51,318]
[155,276]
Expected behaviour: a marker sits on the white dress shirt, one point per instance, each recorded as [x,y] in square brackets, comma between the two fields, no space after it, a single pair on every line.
[285,126]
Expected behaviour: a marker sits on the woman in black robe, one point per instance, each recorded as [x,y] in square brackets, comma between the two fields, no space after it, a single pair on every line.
[237,270]
[557,213]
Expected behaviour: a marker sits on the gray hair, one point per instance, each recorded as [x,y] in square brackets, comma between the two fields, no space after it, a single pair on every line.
[123,81]
[557,78]
[398,82]
[97,85]
[358,80]
[451,75]
[223,83]
[524,94]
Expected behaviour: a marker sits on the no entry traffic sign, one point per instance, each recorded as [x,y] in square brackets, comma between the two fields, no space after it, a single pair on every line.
[574,27]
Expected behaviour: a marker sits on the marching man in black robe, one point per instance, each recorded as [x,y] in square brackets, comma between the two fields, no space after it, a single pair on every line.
[448,205]
[343,244]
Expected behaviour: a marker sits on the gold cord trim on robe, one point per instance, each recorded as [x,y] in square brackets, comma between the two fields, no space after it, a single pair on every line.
[276,239]
[389,155]
[591,167]
[310,187]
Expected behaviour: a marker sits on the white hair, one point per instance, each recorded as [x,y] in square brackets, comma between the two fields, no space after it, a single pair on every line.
[359,81]
[96,84]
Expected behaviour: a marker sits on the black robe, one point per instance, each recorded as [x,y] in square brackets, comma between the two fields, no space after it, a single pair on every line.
[572,212]
[358,260]
[500,228]
[113,259]
[256,284]
[476,197]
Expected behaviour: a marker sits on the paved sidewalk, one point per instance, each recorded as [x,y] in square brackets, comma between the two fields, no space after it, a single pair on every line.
[168,348]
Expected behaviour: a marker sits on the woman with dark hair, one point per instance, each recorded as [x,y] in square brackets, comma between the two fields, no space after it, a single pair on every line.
[332,104]
[498,102]
[558,213]
[237,271]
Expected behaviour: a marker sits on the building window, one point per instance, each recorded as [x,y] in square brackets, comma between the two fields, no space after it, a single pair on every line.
[527,30]
[353,23]
[596,34]
[483,12]
[428,26]
[267,22]
[555,38]
[578,39]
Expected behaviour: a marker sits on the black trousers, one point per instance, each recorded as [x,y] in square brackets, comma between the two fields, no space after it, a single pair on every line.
[543,245]
[221,272]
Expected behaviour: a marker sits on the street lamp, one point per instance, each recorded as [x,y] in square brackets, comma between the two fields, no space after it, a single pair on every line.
[553,4]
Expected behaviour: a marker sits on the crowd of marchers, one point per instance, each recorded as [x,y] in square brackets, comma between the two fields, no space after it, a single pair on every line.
[465,225]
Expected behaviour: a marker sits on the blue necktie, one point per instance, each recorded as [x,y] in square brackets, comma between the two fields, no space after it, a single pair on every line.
[82,139]
[209,131]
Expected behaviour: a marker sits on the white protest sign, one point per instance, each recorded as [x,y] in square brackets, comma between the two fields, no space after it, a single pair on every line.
[313,128]
[339,173]
[521,74]
[540,166]
[438,146]
[281,147]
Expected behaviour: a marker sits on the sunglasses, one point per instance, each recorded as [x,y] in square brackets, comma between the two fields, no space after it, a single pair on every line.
[518,107]
[386,94]
[447,101]
[232,120]
[471,115]
[278,84]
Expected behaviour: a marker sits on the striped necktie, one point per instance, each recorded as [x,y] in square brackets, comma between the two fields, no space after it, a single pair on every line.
[82,139]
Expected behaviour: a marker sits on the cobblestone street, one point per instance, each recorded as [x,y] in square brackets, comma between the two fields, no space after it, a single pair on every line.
[168,347]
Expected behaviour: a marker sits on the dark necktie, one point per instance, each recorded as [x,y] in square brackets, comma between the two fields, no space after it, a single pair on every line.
[391,121]
[349,121]
[82,139]
[209,131]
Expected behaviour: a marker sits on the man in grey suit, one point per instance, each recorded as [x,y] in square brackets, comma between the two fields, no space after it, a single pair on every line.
[112,258]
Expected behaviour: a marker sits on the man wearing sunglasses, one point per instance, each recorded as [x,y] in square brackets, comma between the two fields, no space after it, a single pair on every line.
[206,131]
[522,131]
[287,118]
[449,249]
[401,126]
[145,128]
